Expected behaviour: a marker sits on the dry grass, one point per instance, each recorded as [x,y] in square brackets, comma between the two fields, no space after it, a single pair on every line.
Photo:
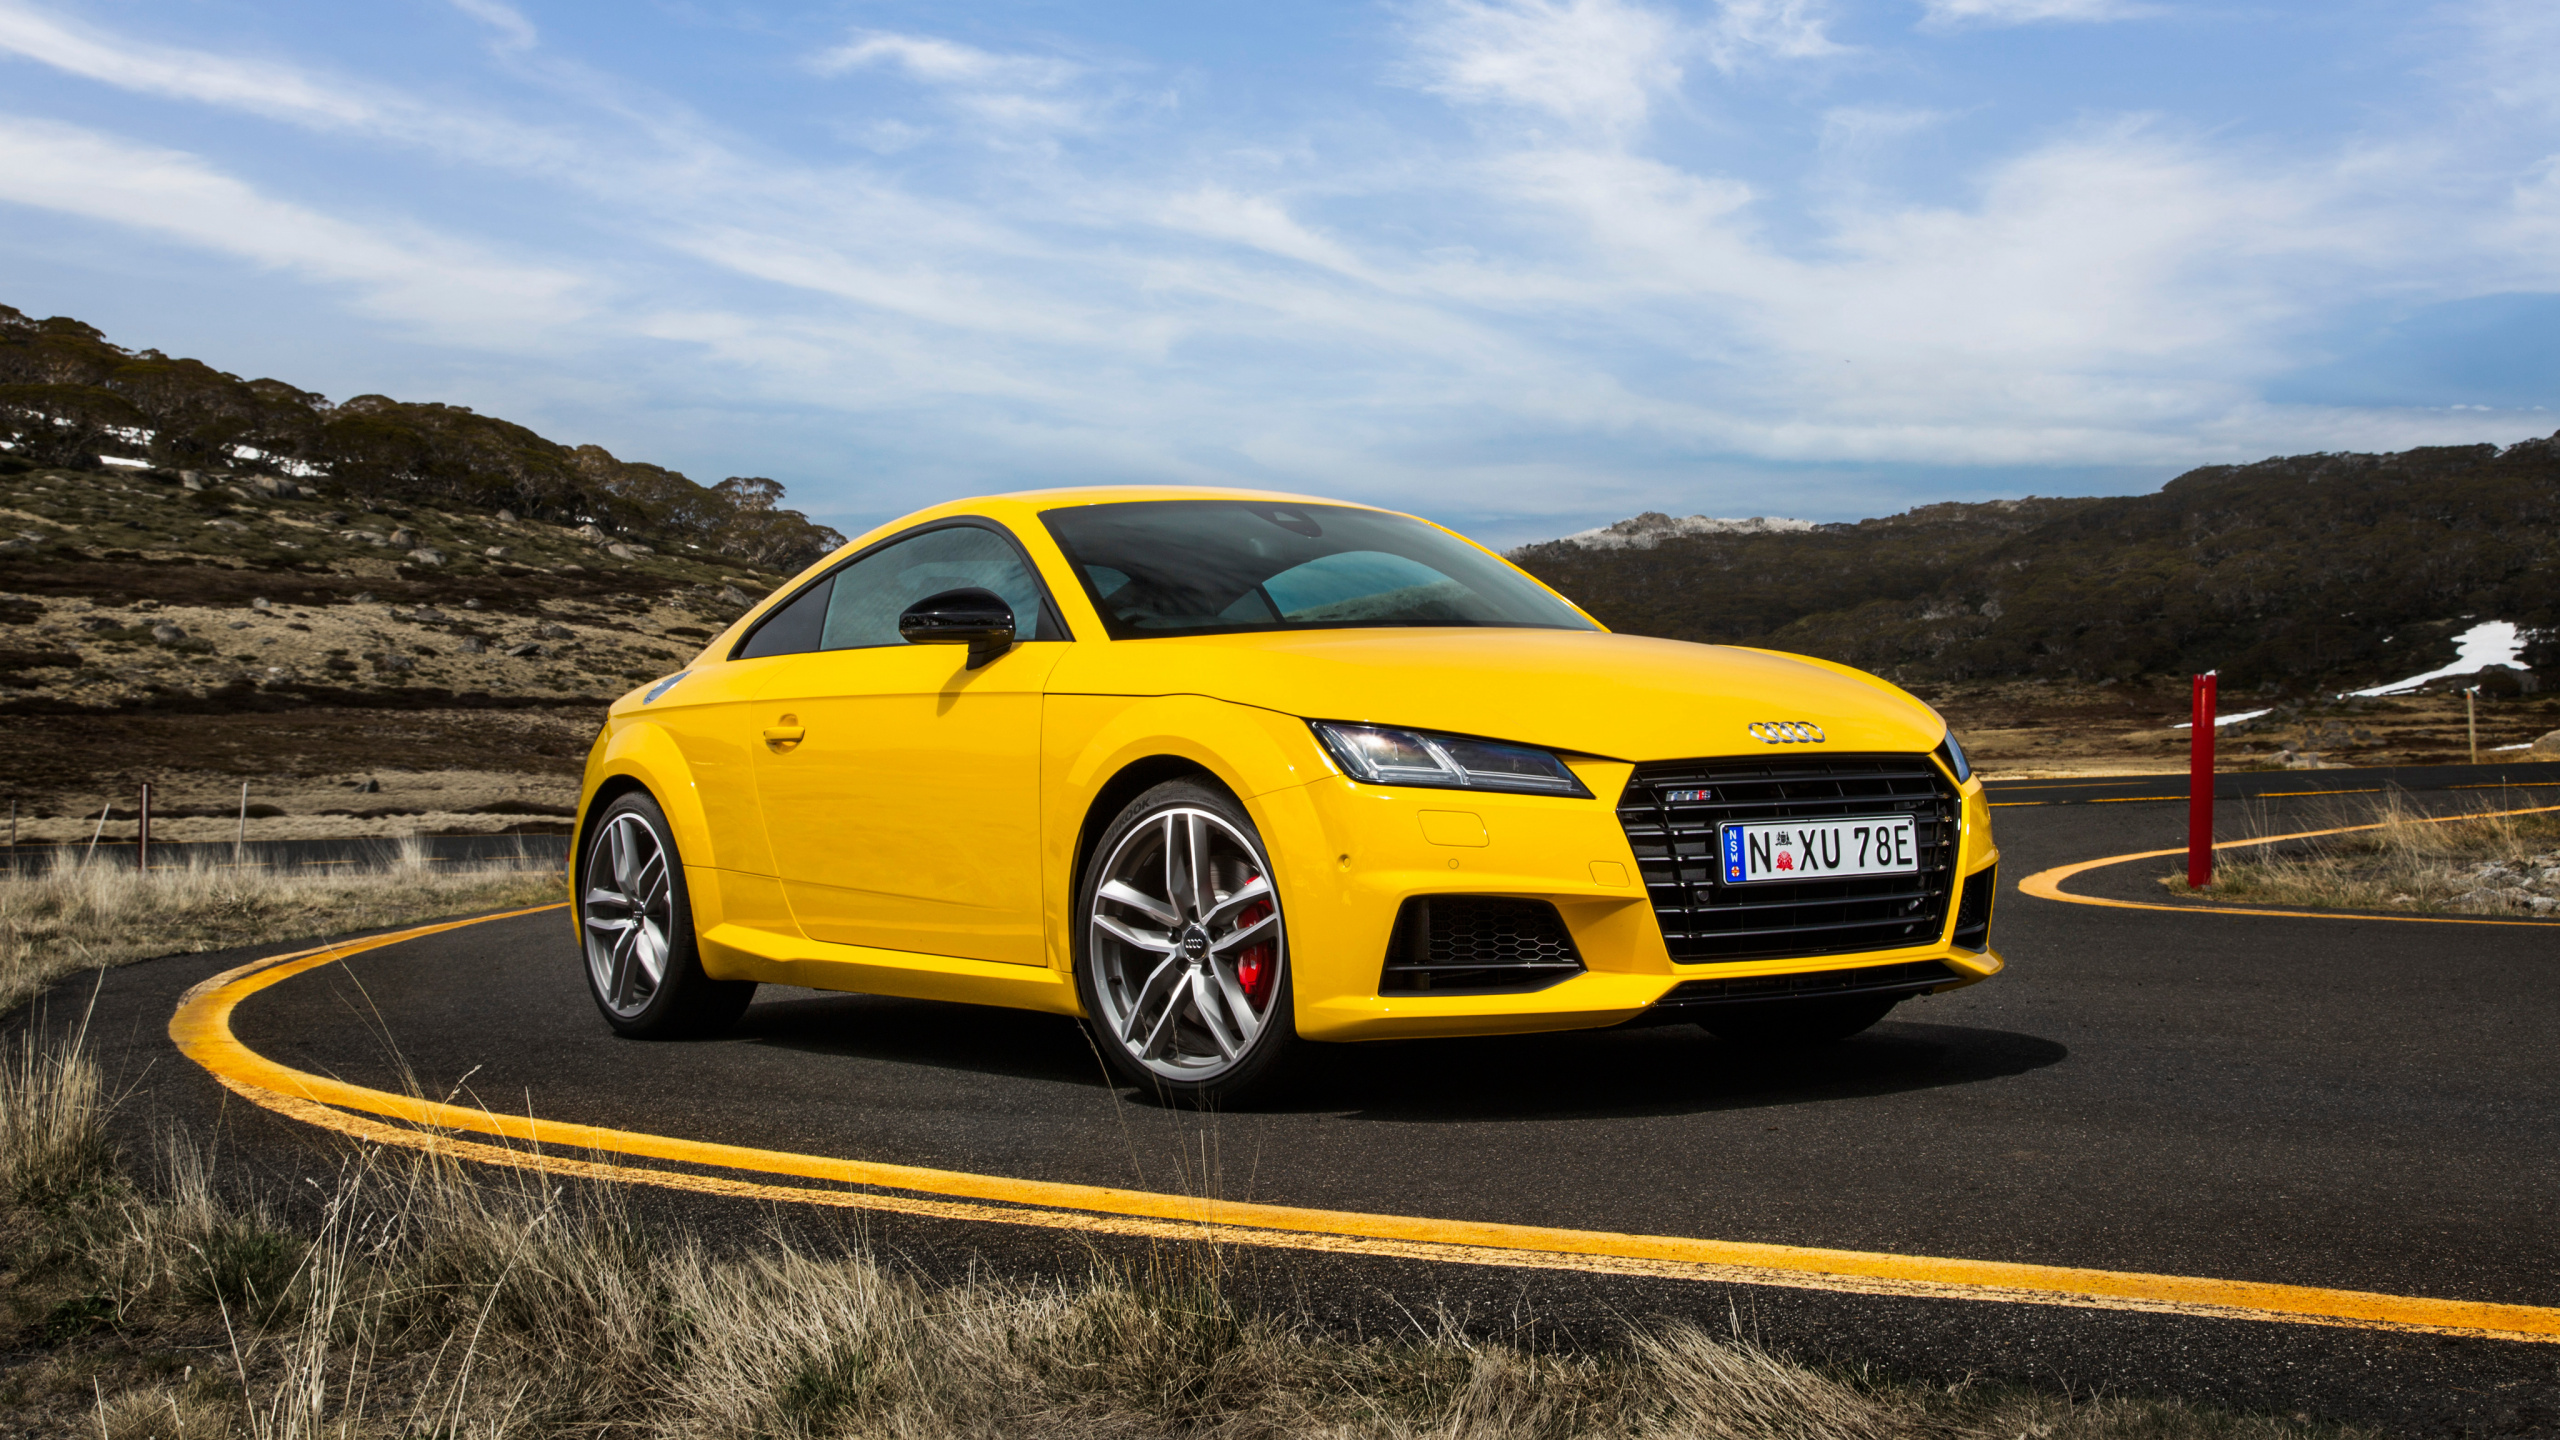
[422,1299]
[79,916]
[2475,863]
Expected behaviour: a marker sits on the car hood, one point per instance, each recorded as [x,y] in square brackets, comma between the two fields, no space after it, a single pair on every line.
[1627,697]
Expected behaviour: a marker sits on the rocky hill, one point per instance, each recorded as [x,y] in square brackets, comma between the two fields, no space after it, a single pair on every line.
[239,580]
[2288,575]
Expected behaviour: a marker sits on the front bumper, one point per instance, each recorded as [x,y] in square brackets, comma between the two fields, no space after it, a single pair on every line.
[1352,854]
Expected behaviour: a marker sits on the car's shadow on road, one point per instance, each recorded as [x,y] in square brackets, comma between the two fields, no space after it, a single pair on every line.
[1574,1075]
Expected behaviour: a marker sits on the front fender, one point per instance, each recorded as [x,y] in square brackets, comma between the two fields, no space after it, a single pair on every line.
[643,752]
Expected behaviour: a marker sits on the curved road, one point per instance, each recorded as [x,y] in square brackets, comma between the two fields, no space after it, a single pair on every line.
[2359,1105]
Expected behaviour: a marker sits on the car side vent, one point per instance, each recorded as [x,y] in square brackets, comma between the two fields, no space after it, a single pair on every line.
[1477,944]
[1973,912]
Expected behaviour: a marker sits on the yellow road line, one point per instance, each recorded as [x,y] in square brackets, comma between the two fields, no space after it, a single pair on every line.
[201,1028]
[2047,884]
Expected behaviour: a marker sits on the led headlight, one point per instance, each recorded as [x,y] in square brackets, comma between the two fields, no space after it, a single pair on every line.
[1383,755]
[1953,754]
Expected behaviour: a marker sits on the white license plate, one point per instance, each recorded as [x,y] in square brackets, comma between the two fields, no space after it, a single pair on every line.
[1819,849]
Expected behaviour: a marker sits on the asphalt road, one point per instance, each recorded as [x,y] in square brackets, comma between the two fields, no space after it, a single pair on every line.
[2356,1104]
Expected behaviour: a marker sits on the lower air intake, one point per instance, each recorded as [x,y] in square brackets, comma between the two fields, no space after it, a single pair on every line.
[1973,909]
[1911,978]
[1477,944]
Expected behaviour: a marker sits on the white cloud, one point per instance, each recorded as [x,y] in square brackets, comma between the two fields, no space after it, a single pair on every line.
[251,85]
[943,62]
[1586,62]
[431,280]
[514,31]
[1953,14]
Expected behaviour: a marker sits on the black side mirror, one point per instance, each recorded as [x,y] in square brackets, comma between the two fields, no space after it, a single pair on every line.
[973,617]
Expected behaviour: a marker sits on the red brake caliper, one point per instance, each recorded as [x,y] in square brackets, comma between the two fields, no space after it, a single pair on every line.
[1254,968]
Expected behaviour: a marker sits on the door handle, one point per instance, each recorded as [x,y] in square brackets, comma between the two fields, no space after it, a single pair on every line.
[782,737]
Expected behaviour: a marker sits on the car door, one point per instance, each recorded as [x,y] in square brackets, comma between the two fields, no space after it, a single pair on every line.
[899,786]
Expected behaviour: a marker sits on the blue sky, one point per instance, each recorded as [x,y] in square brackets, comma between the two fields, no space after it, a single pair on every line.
[1524,265]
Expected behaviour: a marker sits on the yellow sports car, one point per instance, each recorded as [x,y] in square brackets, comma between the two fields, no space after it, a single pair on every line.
[1227,772]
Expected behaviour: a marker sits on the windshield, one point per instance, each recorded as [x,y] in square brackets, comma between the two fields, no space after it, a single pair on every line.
[1172,567]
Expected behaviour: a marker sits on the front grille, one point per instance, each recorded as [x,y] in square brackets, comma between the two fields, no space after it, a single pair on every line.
[1973,909]
[1477,943]
[1705,920]
[1909,978]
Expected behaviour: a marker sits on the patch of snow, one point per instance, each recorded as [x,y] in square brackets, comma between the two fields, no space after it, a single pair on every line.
[2524,745]
[2491,642]
[128,464]
[298,469]
[1645,531]
[2221,720]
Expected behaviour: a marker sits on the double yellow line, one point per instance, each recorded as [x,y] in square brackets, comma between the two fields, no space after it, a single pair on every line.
[202,1030]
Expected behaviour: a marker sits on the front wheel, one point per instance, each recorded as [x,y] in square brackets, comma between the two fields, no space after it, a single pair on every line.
[1183,960]
[1793,1024]
[644,969]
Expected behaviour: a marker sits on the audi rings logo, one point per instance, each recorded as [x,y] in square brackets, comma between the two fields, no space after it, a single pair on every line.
[1785,732]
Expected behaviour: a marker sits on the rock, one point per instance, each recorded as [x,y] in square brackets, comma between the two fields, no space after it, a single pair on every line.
[368,786]
[426,555]
[624,552]
[361,597]
[167,634]
[404,538]
[395,662]
[507,517]
[590,533]
[239,625]
[98,622]
[573,568]
[11,547]
[430,615]
[338,662]
[554,632]
[333,517]
[526,651]
[474,645]
[735,598]
[261,603]
[271,485]
[471,604]
[191,479]
[497,552]
[2548,744]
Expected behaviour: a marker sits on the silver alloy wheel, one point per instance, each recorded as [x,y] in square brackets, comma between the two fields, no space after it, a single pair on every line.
[629,910]
[1186,944]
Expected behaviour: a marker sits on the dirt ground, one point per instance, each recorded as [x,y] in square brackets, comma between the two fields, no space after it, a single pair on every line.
[2023,729]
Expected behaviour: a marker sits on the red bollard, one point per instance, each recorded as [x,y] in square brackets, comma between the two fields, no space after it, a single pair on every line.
[2200,787]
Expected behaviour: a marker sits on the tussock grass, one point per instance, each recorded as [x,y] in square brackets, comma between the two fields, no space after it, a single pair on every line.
[2479,863]
[83,916]
[416,1297]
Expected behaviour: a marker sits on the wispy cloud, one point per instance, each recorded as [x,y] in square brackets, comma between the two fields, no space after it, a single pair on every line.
[427,280]
[1956,14]
[1585,62]
[937,61]
[514,31]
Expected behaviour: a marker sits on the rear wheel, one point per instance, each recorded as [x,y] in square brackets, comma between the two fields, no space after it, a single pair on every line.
[1183,960]
[644,969]
[1793,1024]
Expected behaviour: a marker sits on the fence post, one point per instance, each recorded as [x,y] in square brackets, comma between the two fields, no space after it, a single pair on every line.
[142,833]
[2471,719]
[242,838]
[2200,786]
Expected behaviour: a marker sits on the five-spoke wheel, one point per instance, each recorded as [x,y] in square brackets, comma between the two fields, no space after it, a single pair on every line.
[1185,960]
[643,967]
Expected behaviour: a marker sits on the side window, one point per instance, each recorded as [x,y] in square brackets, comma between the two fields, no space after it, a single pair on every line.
[794,628]
[872,592]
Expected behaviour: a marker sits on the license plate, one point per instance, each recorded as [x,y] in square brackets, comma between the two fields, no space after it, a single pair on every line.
[1819,849]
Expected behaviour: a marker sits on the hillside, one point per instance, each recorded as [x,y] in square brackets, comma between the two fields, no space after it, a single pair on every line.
[2288,576]
[240,580]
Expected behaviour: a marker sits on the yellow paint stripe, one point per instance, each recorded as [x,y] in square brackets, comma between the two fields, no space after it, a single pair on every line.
[201,1027]
[2047,884]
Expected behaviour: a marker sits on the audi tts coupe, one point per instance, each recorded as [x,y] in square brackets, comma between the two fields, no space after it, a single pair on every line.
[1229,775]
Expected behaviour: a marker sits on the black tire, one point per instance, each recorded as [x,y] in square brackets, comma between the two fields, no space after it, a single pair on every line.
[1797,1024]
[1113,990]
[631,905]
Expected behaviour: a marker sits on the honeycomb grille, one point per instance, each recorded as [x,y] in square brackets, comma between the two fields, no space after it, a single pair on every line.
[1477,943]
[1973,910]
[1671,812]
